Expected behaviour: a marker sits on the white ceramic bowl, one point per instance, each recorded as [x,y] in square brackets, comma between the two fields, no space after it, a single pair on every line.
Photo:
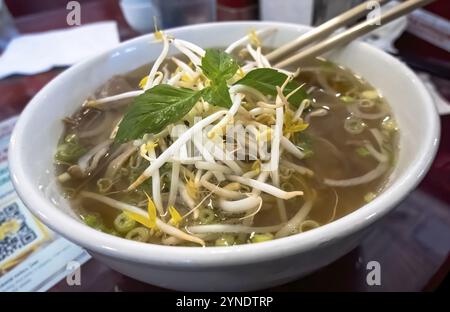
[245,267]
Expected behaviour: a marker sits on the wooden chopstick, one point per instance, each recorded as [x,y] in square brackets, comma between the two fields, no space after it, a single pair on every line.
[323,30]
[354,32]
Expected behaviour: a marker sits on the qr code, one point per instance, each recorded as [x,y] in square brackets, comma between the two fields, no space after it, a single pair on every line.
[14,241]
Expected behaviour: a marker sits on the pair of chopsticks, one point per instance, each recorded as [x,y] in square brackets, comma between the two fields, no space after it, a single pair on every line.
[314,47]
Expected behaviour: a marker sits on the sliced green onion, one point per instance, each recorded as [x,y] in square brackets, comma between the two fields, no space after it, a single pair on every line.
[308,225]
[71,138]
[347,99]
[362,151]
[113,232]
[389,124]
[241,238]
[64,177]
[69,152]
[206,216]
[369,197]
[139,234]
[365,103]
[259,238]
[104,185]
[370,94]
[92,220]
[95,222]
[123,223]
[225,240]
[354,125]
[68,192]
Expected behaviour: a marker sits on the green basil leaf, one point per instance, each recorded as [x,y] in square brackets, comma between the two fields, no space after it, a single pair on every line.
[154,110]
[69,152]
[265,80]
[217,95]
[218,65]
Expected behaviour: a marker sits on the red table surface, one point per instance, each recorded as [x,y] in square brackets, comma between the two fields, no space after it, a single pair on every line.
[411,243]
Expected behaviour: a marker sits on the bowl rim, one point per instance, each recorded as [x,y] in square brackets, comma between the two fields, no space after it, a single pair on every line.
[193,257]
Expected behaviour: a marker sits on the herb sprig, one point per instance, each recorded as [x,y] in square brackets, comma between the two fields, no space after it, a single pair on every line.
[163,104]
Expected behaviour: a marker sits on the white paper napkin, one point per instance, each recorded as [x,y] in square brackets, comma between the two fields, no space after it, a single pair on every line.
[36,53]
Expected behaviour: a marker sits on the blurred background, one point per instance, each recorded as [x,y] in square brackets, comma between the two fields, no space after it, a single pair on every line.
[422,42]
[411,243]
